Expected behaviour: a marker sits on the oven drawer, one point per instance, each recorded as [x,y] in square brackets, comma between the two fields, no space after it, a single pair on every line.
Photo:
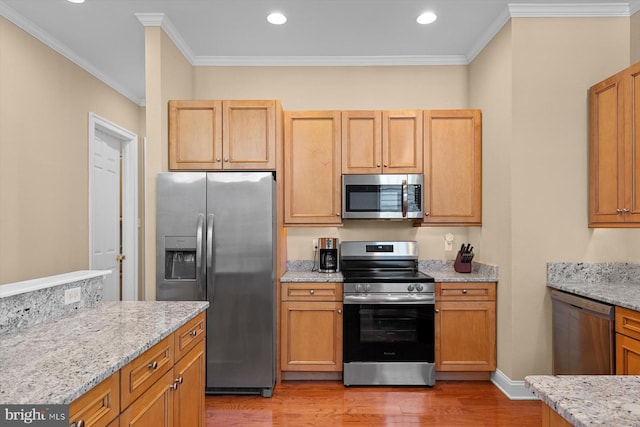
[466,291]
[311,291]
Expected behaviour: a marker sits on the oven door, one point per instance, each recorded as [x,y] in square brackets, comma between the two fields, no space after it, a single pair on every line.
[388,332]
[381,196]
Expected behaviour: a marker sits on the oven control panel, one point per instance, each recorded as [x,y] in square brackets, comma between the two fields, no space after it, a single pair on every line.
[388,288]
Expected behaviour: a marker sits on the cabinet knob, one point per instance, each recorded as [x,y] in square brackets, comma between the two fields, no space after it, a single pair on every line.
[337,213]
[153,365]
[625,210]
[426,214]
[78,424]
[179,380]
[217,159]
[226,160]
[174,386]
[339,311]
[311,291]
[618,211]
[386,166]
[464,291]
[378,165]
[193,333]
[437,310]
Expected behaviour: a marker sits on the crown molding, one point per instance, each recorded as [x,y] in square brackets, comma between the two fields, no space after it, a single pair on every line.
[491,32]
[163,21]
[329,61]
[634,6]
[574,10]
[46,38]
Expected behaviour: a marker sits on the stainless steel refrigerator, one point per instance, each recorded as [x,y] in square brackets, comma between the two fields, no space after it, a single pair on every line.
[215,241]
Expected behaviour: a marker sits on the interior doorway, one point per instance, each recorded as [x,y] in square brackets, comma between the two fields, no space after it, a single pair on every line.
[113,207]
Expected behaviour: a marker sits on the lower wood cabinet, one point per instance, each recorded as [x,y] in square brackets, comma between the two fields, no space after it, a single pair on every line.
[151,390]
[551,418]
[627,341]
[465,322]
[311,327]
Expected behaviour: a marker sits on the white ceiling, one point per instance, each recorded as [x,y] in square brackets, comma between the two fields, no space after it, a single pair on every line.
[106,37]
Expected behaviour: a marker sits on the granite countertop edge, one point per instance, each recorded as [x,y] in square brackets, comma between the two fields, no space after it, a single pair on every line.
[439,276]
[586,400]
[624,294]
[57,362]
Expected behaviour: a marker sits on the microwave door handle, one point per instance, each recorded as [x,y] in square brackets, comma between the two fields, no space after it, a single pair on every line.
[210,257]
[200,271]
[405,198]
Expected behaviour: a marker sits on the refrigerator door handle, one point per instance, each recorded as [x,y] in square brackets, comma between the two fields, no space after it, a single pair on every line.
[200,266]
[210,257]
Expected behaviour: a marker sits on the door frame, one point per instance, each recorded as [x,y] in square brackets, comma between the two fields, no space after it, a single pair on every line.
[129,141]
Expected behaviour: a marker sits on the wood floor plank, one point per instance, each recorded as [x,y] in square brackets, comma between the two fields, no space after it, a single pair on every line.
[329,403]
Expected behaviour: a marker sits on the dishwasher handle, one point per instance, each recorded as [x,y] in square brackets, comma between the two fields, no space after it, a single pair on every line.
[599,309]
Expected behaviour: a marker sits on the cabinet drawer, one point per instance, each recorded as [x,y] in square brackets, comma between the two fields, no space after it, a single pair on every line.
[477,291]
[98,406]
[145,370]
[628,322]
[312,291]
[190,334]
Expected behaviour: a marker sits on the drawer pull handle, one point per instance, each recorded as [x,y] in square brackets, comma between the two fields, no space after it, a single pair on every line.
[193,333]
[464,291]
[312,291]
[153,365]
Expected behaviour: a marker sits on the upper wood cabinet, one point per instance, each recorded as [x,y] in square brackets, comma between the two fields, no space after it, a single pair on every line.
[381,142]
[312,179]
[229,135]
[452,167]
[614,150]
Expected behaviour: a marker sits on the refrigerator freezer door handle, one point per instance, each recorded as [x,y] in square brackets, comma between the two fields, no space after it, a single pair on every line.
[210,257]
[200,267]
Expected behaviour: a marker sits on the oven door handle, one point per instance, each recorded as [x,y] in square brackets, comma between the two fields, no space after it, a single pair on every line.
[389,299]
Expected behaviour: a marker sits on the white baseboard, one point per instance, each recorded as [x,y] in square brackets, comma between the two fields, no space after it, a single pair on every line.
[514,390]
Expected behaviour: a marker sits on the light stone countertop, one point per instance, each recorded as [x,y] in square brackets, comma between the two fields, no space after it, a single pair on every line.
[621,294]
[590,400]
[58,361]
[441,271]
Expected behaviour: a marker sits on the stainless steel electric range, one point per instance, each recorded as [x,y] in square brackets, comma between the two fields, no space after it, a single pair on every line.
[388,325]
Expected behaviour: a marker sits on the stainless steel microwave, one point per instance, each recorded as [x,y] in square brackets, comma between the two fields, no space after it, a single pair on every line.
[382,196]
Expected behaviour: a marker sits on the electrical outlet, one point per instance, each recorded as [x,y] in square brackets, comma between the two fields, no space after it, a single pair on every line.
[72,295]
[448,242]
[315,244]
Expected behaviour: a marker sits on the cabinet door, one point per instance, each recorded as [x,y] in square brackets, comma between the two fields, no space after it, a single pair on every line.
[402,144]
[632,145]
[627,355]
[465,336]
[249,135]
[606,154]
[154,407]
[361,142]
[312,181]
[189,377]
[195,135]
[311,336]
[453,167]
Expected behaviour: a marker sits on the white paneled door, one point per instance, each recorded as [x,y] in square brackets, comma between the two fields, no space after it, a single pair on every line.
[105,209]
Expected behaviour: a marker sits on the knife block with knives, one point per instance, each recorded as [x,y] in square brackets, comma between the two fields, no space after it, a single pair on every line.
[463,260]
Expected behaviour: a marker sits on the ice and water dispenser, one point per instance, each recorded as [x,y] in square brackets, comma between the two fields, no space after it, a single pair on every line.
[180,258]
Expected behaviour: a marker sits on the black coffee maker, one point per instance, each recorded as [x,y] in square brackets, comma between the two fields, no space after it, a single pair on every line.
[328,250]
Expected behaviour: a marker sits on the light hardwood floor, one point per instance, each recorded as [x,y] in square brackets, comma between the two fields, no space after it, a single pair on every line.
[322,403]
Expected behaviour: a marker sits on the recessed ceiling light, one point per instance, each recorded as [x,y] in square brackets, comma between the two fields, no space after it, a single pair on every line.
[426,18]
[75,1]
[277,18]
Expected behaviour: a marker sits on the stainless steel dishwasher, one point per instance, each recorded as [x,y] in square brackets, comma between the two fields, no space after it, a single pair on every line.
[583,335]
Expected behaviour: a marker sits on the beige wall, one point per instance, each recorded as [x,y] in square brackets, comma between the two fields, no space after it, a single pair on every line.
[491,90]
[635,38]
[44,105]
[549,64]
[168,76]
